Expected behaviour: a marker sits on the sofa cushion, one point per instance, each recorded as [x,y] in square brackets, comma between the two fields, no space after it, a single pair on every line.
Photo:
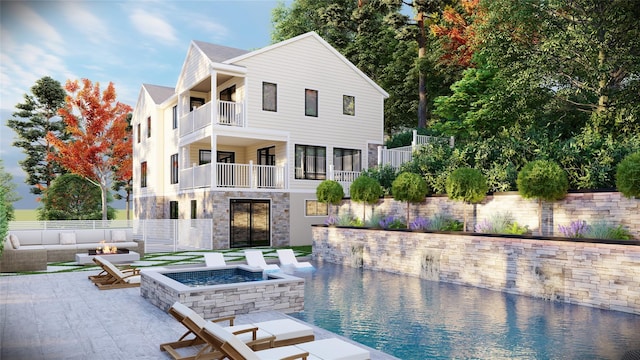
[118,235]
[14,241]
[67,238]
[88,236]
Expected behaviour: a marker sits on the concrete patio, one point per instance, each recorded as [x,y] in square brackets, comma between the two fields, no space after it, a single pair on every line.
[64,316]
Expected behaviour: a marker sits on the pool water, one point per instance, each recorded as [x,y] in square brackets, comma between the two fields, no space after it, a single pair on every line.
[411,318]
[215,277]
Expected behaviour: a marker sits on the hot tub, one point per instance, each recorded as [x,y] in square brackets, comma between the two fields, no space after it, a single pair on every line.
[224,291]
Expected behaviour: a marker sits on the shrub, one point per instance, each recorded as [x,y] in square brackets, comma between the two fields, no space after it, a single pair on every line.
[576,229]
[4,221]
[391,222]
[385,176]
[409,187]
[542,180]
[603,230]
[374,220]
[501,223]
[515,229]
[329,192]
[346,219]
[628,176]
[453,225]
[365,190]
[467,185]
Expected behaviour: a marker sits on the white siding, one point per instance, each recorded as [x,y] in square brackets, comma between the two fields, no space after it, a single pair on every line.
[196,67]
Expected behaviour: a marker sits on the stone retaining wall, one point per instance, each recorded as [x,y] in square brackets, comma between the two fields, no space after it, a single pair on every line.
[611,207]
[600,275]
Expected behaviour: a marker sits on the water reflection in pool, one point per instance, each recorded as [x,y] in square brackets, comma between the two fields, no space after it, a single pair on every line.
[412,318]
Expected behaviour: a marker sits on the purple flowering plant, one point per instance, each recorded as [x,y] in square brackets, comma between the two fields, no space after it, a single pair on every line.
[420,223]
[576,229]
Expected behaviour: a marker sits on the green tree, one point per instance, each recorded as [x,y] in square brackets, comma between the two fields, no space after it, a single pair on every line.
[72,197]
[384,175]
[467,185]
[628,176]
[542,180]
[330,192]
[411,188]
[10,194]
[365,190]
[34,118]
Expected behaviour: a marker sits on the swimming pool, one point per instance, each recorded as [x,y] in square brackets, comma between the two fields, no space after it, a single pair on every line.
[216,276]
[411,318]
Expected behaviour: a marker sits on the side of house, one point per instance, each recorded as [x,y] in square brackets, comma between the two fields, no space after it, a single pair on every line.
[245,138]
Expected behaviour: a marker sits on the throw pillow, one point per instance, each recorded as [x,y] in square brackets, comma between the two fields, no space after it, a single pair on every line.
[118,235]
[67,238]
[15,242]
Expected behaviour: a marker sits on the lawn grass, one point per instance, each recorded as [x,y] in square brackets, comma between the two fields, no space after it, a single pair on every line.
[32,214]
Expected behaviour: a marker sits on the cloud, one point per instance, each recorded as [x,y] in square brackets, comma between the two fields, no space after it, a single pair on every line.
[92,26]
[153,25]
[26,19]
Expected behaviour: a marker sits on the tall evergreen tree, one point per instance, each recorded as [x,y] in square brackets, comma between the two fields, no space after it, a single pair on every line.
[34,118]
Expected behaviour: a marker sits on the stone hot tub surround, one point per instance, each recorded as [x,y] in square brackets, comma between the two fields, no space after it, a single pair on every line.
[602,275]
[281,292]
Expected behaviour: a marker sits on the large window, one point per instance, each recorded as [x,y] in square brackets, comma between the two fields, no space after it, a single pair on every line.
[173,210]
[204,157]
[311,102]
[311,162]
[174,123]
[269,97]
[149,126]
[346,159]
[143,174]
[174,168]
[348,105]
[315,208]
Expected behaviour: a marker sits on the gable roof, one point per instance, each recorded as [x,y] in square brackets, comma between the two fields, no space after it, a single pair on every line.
[159,93]
[321,41]
[218,53]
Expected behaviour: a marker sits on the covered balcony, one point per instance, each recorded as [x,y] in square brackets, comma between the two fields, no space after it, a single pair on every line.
[248,176]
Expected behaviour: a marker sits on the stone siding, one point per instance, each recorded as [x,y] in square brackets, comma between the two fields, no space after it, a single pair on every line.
[610,207]
[600,275]
[280,295]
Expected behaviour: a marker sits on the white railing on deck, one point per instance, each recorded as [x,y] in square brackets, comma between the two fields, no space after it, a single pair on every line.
[195,177]
[397,156]
[345,178]
[196,120]
[234,175]
[230,113]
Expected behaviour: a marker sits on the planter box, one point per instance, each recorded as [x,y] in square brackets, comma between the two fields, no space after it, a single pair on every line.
[602,274]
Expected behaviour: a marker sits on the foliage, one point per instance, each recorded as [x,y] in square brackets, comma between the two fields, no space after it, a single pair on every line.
[516,229]
[409,187]
[501,223]
[542,179]
[628,176]
[4,219]
[385,176]
[374,220]
[10,195]
[72,197]
[33,120]
[97,124]
[452,225]
[434,162]
[346,218]
[598,230]
[330,192]
[365,190]
[392,222]
[467,184]
[123,171]
[420,223]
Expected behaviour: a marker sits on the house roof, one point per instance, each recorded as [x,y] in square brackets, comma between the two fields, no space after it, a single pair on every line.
[159,93]
[219,53]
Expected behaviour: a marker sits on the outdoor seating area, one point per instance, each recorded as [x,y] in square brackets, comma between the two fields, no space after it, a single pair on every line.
[112,277]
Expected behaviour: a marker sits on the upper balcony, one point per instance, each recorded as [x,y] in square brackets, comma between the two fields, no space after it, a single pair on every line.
[228,113]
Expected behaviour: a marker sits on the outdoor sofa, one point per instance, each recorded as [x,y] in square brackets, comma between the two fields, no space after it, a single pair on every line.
[31,250]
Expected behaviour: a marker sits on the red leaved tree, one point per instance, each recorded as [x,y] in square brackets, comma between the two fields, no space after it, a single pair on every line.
[457,31]
[99,140]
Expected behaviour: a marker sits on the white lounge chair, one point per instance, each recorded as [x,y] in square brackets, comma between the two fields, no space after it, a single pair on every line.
[215,259]
[288,258]
[255,258]
[327,349]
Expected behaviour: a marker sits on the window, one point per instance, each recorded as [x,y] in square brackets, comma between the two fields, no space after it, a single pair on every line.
[348,105]
[311,102]
[346,159]
[138,133]
[269,97]
[267,156]
[194,205]
[174,168]
[173,210]
[143,174]
[175,117]
[204,157]
[315,208]
[149,126]
[310,162]
[196,102]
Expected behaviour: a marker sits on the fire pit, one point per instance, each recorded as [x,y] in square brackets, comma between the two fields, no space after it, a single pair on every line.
[112,253]
[100,252]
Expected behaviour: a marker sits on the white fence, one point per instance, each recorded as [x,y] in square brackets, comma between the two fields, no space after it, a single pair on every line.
[159,235]
[397,156]
[345,178]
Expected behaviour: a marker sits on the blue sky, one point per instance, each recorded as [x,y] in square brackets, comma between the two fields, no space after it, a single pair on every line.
[126,42]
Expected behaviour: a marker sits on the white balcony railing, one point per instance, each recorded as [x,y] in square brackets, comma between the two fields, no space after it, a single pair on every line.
[234,176]
[345,178]
[229,113]
[397,156]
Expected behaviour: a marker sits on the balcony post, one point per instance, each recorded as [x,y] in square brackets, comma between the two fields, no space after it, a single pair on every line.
[252,182]
[331,174]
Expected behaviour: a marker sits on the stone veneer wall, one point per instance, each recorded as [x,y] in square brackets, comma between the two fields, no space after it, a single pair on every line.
[594,274]
[280,295]
[590,206]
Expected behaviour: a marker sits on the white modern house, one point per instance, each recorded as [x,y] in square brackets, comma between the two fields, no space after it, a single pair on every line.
[245,138]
